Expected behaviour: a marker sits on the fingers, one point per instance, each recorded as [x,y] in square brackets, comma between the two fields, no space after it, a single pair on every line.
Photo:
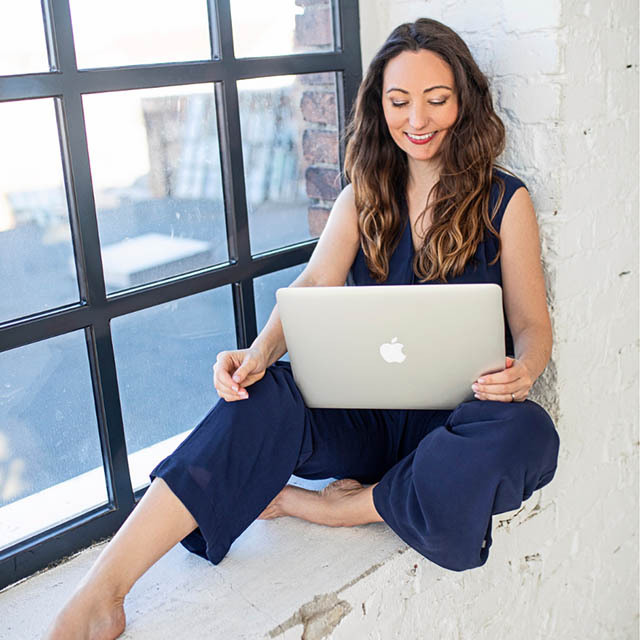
[506,376]
[498,389]
[502,392]
[228,392]
[247,367]
[226,387]
[518,396]
[512,384]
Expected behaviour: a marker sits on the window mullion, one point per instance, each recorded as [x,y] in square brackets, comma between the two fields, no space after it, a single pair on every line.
[89,264]
[233,181]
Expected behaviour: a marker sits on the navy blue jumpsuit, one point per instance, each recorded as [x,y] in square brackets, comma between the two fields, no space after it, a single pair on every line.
[441,474]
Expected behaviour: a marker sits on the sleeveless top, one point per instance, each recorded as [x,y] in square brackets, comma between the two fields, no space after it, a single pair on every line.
[477,270]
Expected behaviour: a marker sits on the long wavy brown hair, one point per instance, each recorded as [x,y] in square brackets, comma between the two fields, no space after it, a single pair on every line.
[378,169]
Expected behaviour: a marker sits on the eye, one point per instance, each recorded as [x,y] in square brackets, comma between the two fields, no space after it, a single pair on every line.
[398,104]
[438,102]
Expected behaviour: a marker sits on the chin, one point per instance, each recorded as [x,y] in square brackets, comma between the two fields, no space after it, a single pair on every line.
[424,157]
[419,154]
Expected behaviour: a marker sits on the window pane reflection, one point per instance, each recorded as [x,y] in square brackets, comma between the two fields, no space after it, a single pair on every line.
[265,288]
[281,27]
[121,33]
[37,270]
[50,460]
[155,165]
[291,160]
[164,359]
[23,47]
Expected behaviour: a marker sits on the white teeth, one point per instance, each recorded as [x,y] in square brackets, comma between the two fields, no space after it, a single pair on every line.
[421,137]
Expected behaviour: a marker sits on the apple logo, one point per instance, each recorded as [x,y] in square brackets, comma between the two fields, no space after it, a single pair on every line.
[392,351]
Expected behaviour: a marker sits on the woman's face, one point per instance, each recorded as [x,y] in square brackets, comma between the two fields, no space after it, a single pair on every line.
[419,101]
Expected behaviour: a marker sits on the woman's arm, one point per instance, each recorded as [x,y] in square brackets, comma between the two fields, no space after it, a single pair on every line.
[328,266]
[525,303]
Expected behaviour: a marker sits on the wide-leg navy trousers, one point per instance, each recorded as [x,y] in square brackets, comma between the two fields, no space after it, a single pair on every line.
[441,474]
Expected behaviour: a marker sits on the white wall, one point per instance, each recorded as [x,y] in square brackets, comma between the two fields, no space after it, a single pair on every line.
[564,76]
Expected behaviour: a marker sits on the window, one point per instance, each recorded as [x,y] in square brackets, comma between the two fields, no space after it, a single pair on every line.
[165,167]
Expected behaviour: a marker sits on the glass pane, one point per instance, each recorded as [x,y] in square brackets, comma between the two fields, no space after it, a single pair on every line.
[121,33]
[281,27]
[37,269]
[291,161]
[264,289]
[23,46]
[165,357]
[155,165]
[50,461]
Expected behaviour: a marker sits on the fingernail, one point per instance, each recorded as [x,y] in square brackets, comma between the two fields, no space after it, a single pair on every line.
[235,387]
[474,387]
[475,395]
[481,380]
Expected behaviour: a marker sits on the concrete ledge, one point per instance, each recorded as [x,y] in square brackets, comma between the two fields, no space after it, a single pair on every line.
[282,579]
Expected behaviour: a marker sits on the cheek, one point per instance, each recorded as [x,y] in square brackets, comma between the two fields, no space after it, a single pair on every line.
[450,117]
[393,119]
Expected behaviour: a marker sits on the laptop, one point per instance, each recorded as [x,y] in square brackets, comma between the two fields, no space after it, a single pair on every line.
[392,346]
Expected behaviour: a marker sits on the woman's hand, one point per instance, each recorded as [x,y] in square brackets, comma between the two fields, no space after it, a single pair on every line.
[235,370]
[512,384]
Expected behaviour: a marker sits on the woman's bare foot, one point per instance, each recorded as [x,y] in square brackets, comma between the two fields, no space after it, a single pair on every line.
[343,503]
[89,615]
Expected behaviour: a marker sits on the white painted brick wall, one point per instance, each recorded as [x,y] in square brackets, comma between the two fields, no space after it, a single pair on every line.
[564,76]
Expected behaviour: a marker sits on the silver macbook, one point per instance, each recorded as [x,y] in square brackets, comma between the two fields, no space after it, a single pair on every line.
[392,346]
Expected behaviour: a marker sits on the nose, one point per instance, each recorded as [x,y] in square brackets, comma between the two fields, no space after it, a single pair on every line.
[418,115]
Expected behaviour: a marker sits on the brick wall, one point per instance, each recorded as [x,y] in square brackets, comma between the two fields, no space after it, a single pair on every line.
[318,106]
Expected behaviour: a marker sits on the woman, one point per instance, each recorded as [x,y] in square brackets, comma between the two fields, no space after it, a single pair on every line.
[425,204]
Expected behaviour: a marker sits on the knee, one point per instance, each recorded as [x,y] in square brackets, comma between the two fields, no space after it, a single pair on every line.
[274,405]
[530,432]
[536,424]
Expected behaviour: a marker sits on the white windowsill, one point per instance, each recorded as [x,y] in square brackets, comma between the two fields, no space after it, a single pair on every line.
[279,578]
[54,505]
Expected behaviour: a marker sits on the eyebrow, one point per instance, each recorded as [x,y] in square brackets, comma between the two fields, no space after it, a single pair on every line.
[437,86]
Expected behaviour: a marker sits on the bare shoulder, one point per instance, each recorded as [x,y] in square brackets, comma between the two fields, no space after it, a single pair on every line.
[344,216]
[519,214]
[338,244]
[345,203]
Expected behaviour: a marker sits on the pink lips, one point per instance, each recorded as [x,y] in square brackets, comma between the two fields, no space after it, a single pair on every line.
[425,141]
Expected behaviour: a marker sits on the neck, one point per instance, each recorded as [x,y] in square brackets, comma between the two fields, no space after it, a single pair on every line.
[423,171]
[423,174]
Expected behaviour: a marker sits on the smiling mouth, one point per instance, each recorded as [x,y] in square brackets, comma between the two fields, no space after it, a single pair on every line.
[422,138]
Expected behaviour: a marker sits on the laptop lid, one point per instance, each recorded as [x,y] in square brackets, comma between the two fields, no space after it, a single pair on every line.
[394,346]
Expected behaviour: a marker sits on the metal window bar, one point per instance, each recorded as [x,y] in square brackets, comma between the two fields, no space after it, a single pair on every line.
[66,84]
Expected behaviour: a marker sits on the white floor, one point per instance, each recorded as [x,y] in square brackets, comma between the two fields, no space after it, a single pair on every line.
[271,571]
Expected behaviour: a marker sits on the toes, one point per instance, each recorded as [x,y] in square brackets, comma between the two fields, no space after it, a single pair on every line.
[343,484]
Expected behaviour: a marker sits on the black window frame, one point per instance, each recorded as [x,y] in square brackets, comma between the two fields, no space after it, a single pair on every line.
[66,85]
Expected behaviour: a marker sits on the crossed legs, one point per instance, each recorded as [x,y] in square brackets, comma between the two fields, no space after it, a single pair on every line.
[95,611]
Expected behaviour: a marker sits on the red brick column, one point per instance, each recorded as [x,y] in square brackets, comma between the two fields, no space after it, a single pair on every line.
[319,111]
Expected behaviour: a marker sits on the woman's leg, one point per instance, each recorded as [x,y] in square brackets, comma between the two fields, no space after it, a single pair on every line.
[204,495]
[222,477]
[343,503]
[486,458]
[357,446]
[95,611]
